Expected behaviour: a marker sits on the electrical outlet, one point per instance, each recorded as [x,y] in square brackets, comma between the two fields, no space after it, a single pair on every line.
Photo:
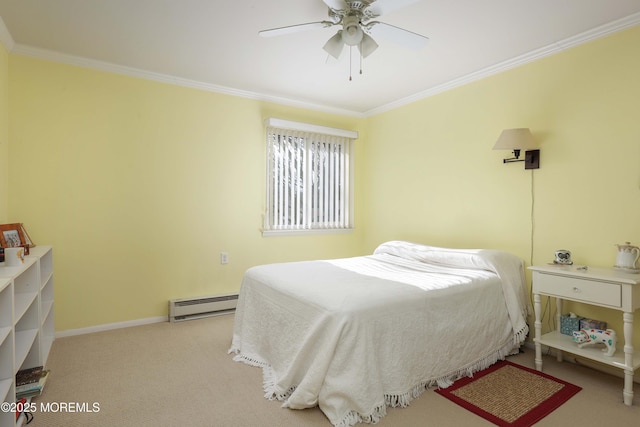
[224,258]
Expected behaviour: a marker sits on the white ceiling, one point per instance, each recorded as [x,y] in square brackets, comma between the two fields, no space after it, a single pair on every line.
[215,45]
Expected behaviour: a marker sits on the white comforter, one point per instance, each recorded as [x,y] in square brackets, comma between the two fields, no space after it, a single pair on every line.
[355,335]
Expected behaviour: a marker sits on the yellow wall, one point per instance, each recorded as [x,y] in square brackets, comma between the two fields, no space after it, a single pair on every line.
[432,175]
[4,131]
[140,185]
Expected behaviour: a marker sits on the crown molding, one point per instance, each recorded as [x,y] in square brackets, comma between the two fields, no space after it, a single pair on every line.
[5,37]
[587,36]
[49,55]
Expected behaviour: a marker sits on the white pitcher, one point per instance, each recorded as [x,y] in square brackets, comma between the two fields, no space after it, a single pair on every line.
[627,256]
[13,257]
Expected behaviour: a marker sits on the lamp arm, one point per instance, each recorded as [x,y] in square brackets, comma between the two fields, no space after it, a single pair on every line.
[531,159]
[516,156]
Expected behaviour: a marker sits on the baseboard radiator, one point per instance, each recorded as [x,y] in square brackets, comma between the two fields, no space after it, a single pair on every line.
[197,308]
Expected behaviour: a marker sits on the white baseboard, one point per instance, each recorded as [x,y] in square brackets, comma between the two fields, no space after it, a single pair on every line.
[110,326]
[572,358]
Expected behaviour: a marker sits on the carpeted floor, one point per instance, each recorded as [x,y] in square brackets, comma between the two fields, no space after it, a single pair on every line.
[179,374]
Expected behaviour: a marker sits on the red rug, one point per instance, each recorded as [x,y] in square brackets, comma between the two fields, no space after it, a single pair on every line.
[510,395]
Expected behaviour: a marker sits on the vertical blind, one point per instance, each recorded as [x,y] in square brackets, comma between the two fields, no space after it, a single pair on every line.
[308,184]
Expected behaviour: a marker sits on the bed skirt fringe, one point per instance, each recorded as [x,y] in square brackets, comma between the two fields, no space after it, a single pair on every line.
[521,335]
[268,376]
[404,399]
[354,418]
[248,360]
[392,400]
[512,347]
[269,386]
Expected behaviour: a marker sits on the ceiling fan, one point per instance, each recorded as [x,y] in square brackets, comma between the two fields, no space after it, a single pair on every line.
[358,25]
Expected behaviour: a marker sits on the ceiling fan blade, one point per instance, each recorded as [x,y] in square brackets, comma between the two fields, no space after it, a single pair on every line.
[335,45]
[336,4]
[367,46]
[294,28]
[382,7]
[397,35]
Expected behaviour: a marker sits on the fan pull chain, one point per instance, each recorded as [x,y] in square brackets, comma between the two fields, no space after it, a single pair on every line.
[350,50]
[351,62]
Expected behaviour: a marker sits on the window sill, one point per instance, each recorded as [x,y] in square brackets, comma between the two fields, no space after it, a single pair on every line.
[275,233]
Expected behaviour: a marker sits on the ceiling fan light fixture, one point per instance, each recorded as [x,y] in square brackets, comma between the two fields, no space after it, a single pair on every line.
[357,28]
[334,45]
[367,46]
[352,33]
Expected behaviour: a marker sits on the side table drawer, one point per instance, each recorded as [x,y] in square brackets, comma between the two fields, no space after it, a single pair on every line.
[590,291]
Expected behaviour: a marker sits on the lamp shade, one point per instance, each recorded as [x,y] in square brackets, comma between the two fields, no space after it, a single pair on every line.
[334,45]
[516,139]
[367,45]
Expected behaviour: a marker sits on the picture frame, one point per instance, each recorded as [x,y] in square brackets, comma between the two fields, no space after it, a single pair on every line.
[14,235]
[27,239]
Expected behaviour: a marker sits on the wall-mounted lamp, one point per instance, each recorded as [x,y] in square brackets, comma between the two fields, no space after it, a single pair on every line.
[517,140]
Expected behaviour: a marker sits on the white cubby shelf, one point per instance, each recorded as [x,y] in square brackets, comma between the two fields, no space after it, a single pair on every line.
[26,321]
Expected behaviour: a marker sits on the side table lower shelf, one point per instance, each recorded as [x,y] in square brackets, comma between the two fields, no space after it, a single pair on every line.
[594,352]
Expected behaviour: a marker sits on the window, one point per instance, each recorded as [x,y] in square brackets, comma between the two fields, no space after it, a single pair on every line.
[309,183]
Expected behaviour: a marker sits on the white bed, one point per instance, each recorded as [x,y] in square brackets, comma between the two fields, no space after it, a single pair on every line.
[356,335]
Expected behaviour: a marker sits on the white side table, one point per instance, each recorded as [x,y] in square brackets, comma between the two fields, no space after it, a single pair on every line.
[604,287]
